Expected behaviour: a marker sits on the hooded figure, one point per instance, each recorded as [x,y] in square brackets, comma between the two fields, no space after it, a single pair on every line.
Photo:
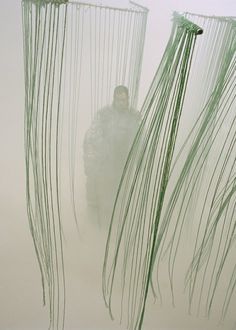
[106,147]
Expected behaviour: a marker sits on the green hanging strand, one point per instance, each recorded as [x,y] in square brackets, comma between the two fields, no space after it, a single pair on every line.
[44,23]
[130,249]
[213,220]
[63,51]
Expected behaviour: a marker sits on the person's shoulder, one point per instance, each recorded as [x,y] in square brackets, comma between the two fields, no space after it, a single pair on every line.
[135,113]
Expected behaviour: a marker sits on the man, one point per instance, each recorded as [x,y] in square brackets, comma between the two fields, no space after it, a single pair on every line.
[106,146]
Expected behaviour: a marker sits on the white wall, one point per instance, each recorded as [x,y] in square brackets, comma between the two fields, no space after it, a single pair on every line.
[20,291]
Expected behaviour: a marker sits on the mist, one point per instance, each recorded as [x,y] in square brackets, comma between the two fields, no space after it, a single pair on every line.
[84,242]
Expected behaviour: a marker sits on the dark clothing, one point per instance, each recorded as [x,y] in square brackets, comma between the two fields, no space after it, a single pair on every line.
[106,147]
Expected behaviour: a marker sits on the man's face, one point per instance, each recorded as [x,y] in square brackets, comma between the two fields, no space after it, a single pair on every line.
[121,101]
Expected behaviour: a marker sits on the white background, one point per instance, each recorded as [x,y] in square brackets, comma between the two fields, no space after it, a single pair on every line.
[20,290]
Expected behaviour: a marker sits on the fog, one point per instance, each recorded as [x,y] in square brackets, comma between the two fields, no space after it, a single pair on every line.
[20,288]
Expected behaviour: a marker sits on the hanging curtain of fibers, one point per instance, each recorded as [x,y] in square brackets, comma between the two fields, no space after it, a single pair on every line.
[44,27]
[133,233]
[74,54]
[202,198]
[104,49]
